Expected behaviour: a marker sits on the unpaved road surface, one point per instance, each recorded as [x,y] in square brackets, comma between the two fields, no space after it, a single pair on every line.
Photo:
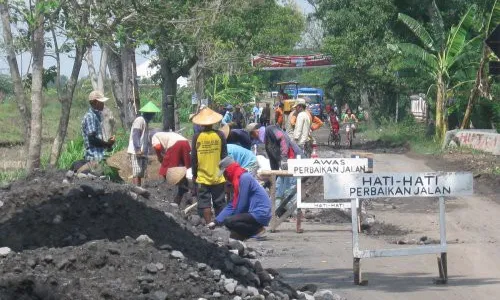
[323,255]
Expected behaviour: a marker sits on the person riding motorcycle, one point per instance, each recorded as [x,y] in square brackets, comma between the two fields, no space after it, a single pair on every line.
[350,118]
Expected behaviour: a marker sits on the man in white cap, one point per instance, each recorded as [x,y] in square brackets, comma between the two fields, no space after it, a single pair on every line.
[302,130]
[138,145]
[92,132]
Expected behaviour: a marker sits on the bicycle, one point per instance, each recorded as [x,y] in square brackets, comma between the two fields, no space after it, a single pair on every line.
[334,138]
[349,133]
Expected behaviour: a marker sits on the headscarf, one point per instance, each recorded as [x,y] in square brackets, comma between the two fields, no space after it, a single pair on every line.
[233,173]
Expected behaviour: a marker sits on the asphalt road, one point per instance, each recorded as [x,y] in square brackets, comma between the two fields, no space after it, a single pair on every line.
[323,253]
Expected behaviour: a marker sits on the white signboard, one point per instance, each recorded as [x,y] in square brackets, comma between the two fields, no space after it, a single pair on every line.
[397,185]
[339,205]
[322,166]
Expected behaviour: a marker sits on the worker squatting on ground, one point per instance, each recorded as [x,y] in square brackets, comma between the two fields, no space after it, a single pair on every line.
[209,147]
[249,210]
[244,157]
[92,132]
[173,151]
[138,145]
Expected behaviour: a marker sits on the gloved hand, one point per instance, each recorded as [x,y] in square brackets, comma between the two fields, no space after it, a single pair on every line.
[211,225]
[284,165]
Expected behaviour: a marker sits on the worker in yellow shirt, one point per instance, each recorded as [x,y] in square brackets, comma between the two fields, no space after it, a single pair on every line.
[209,147]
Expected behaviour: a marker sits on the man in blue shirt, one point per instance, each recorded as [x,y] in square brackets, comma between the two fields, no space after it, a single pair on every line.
[250,209]
[93,137]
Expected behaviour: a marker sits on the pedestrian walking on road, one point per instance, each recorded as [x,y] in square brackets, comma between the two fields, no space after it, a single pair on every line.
[209,147]
[138,145]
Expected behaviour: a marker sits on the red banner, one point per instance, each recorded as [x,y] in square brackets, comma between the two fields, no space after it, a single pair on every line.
[276,62]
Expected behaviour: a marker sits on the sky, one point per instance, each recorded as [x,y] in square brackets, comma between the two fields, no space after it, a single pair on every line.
[67,62]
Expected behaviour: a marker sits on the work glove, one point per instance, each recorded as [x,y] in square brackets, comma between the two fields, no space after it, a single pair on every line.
[284,165]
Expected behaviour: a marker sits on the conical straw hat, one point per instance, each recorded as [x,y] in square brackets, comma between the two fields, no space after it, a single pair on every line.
[225,130]
[207,117]
[150,107]
[175,174]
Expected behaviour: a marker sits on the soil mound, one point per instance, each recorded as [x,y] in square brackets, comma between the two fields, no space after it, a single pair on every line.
[76,239]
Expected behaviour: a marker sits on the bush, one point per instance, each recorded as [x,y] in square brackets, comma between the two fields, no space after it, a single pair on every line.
[408,132]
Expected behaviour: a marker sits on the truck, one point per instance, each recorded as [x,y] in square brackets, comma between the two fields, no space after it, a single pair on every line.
[314,98]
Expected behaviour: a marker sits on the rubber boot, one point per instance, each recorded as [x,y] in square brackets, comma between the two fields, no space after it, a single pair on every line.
[207,215]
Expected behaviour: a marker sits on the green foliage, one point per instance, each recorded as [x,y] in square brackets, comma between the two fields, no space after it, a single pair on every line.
[73,151]
[6,84]
[9,176]
[406,133]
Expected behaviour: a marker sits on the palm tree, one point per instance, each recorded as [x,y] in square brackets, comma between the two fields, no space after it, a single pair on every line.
[481,86]
[438,57]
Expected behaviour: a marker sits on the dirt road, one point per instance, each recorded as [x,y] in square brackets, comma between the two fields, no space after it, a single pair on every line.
[323,255]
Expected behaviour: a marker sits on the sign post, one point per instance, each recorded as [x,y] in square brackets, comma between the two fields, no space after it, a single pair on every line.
[398,185]
[319,167]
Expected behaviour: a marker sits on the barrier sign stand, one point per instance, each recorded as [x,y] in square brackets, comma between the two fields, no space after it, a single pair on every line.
[398,185]
[320,167]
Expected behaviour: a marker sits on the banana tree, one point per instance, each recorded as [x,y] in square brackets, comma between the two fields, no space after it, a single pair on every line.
[481,85]
[436,55]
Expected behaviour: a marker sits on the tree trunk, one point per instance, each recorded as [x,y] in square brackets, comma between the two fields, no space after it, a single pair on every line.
[125,89]
[66,100]
[169,87]
[89,58]
[115,73]
[130,87]
[440,117]
[474,93]
[38,52]
[20,95]
[98,79]
[101,77]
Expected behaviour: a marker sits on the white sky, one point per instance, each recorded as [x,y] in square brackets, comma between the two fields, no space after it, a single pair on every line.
[67,62]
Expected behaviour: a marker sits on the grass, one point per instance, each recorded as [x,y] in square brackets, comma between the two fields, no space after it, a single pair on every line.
[407,132]
[9,176]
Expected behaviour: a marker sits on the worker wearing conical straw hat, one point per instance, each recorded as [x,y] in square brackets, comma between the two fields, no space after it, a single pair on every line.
[138,145]
[173,151]
[209,147]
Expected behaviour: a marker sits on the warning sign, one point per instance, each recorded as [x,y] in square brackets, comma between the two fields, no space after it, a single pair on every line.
[396,185]
[321,166]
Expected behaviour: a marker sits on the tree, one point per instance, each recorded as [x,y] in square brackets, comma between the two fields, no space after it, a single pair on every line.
[20,95]
[38,53]
[481,85]
[362,72]
[73,17]
[438,57]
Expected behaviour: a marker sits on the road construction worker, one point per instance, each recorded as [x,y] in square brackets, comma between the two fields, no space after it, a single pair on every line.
[209,147]
[237,136]
[92,132]
[250,208]
[244,157]
[138,145]
[173,150]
